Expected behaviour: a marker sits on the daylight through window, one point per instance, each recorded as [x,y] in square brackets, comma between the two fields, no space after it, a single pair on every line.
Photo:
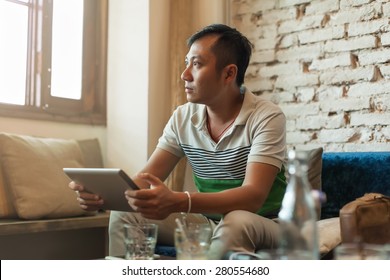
[53,59]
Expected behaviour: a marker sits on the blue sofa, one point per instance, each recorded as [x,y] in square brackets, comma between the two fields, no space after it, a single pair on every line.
[349,175]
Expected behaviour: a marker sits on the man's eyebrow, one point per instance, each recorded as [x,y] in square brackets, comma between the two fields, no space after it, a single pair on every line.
[192,58]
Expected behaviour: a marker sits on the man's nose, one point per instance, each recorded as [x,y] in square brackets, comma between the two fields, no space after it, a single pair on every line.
[186,75]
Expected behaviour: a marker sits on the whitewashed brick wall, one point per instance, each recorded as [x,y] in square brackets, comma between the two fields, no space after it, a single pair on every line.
[326,63]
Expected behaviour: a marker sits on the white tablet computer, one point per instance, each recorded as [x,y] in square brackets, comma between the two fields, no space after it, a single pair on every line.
[109,183]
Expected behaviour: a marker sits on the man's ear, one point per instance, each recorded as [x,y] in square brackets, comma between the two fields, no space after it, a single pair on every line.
[230,72]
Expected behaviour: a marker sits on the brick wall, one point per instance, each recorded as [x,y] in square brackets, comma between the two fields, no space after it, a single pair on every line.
[327,64]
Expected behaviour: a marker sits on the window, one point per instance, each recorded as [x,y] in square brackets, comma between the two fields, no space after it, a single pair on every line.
[53,59]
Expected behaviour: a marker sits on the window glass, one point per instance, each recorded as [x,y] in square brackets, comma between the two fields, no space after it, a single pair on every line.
[13,52]
[67,46]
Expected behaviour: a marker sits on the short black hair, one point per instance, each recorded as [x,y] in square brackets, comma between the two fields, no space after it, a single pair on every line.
[231,47]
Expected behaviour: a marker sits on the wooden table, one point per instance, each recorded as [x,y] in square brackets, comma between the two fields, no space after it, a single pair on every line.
[84,237]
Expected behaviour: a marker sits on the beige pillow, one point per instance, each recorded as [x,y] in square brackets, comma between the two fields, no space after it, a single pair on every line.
[92,155]
[32,173]
[315,168]
[7,209]
[329,234]
[314,173]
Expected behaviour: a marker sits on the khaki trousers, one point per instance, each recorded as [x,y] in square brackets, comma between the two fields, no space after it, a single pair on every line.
[239,230]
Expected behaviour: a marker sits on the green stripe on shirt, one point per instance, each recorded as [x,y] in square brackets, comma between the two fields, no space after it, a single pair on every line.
[270,206]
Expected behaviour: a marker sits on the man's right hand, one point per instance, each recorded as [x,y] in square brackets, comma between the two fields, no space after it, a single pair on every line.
[88,201]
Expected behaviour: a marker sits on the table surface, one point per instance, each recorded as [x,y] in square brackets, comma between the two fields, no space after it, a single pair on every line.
[18,226]
[157,257]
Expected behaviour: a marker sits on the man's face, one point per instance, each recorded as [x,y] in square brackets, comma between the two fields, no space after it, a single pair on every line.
[202,81]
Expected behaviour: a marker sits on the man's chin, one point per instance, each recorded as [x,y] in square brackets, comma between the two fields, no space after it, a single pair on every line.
[194,98]
[190,98]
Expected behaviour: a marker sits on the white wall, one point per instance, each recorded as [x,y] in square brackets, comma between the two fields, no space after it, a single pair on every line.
[138,80]
[326,66]
[127,84]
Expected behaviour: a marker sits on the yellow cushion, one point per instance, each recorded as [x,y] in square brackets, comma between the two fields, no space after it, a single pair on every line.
[33,177]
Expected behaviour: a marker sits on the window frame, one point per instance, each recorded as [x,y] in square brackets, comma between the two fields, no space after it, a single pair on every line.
[40,105]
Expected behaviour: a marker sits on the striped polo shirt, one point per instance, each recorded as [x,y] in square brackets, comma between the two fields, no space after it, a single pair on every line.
[257,135]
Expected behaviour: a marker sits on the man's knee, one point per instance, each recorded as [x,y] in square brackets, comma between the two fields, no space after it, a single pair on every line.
[118,219]
[238,220]
[248,228]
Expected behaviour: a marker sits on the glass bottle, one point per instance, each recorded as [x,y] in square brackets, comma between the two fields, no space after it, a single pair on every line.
[297,216]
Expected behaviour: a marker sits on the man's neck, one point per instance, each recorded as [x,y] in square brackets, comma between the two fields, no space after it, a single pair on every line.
[225,112]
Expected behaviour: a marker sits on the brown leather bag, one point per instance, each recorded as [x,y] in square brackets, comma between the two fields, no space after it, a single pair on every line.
[366,219]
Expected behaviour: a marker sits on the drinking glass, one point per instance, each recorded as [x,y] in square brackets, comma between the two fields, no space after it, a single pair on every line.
[192,242]
[140,241]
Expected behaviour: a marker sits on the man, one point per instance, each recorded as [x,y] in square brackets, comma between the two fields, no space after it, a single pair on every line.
[235,143]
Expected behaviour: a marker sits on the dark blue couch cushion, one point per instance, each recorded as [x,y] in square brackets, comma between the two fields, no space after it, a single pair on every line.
[349,175]
[163,250]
